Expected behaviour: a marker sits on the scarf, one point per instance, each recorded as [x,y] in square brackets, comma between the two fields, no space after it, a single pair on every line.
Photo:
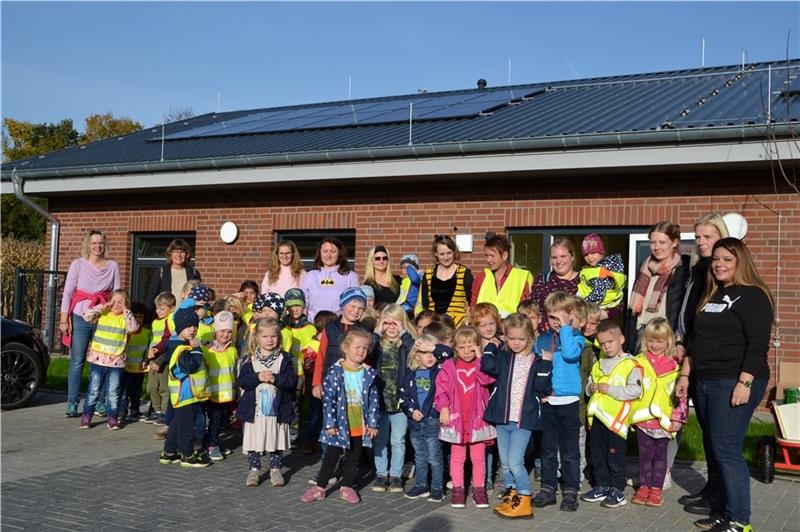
[302,322]
[268,359]
[664,271]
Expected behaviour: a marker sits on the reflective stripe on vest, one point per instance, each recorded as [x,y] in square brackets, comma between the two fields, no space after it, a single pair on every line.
[198,381]
[656,400]
[136,349]
[110,335]
[613,296]
[457,308]
[221,373]
[508,298]
[613,413]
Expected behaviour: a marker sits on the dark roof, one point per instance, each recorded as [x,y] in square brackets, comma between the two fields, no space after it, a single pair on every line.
[727,97]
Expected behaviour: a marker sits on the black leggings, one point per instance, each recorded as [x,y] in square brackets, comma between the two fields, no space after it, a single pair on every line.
[349,468]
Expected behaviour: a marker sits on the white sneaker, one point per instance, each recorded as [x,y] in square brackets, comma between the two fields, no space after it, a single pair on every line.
[667,481]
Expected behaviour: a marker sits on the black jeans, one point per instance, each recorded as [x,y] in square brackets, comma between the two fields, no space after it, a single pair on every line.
[181,433]
[216,413]
[608,456]
[349,468]
[561,434]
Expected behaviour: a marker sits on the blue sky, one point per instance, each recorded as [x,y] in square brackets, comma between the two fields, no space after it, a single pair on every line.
[69,60]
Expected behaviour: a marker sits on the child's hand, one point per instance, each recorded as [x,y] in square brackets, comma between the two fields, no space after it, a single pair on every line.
[153,366]
[152,354]
[194,342]
[372,433]
[316,391]
[547,355]
[675,426]
[495,341]
[444,416]
[602,387]
[266,376]
[416,415]
[478,351]
[334,432]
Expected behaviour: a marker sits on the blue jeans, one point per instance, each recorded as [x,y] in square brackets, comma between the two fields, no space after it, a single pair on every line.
[512,442]
[428,452]
[82,332]
[102,376]
[726,427]
[561,435]
[394,425]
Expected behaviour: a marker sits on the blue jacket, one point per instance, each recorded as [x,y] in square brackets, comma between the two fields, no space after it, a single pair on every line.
[566,360]
[285,382]
[409,401]
[376,357]
[334,406]
[500,365]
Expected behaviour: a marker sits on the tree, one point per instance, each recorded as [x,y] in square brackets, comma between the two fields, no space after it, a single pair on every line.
[99,127]
[177,114]
[25,139]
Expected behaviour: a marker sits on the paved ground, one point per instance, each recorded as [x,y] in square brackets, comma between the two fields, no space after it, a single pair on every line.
[57,477]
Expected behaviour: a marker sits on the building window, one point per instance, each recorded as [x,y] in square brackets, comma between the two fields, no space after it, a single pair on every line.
[308,241]
[148,254]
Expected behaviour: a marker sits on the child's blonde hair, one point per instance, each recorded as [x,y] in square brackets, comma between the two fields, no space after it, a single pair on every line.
[581,309]
[235,306]
[353,333]
[188,285]
[520,321]
[593,310]
[467,333]
[560,301]
[165,298]
[124,294]
[395,312]
[262,323]
[426,342]
[658,329]
[529,306]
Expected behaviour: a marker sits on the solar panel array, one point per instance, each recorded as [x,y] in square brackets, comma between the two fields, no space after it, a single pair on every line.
[421,107]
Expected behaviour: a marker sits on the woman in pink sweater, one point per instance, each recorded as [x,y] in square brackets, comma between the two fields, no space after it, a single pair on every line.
[285,269]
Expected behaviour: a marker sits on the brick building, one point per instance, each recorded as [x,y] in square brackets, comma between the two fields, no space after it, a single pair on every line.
[608,155]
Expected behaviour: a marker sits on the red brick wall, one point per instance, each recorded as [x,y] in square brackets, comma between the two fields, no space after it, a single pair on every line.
[405,217]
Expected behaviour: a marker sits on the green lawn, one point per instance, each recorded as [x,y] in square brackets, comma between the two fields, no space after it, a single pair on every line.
[57,374]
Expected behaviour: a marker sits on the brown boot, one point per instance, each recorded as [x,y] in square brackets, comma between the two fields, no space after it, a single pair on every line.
[520,508]
[505,503]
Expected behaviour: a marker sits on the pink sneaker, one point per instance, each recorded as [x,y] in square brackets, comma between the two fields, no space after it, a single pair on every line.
[314,493]
[86,421]
[349,494]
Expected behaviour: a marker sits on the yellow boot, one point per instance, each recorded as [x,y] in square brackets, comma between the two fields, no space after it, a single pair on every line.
[520,508]
[506,502]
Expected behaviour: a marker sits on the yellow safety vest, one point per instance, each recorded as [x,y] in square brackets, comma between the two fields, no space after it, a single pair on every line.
[110,335]
[457,309]
[198,381]
[205,333]
[656,400]
[301,338]
[158,328]
[613,413]
[507,299]
[613,296]
[248,314]
[137,348]
[221,373]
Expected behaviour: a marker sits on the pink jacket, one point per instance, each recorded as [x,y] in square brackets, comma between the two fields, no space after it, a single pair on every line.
[448,393]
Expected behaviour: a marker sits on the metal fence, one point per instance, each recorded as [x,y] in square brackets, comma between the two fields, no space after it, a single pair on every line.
[37,297]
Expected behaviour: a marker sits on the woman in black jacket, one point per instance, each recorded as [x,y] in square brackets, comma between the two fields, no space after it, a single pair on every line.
[729,349]
[171,276]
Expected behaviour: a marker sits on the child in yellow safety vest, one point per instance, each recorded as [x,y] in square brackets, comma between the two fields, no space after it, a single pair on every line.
[107,355]
[658,416]
[602,279]
[162,326]
[221,358]
[188,388]
[135,367]
[614,384]
[303,333]
[247,293]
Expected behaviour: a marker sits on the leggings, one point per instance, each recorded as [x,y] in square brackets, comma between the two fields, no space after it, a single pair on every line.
[275,459]
[652,459]
[477,456]
[349,467]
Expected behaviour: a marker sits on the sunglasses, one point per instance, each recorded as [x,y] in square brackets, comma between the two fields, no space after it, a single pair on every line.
[380,258]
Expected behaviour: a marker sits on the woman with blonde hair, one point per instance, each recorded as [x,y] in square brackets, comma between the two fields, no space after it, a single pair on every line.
[378,274]
[285,269]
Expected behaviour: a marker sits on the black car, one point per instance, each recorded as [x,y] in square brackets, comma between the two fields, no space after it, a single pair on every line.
[24,363]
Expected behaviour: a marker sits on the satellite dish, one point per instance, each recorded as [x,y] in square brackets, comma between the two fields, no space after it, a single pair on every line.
[736,224]
[228,232]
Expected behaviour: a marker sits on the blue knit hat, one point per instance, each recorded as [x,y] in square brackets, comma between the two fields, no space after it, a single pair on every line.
[270,300]
[350,294]
[184,318]
[200,293]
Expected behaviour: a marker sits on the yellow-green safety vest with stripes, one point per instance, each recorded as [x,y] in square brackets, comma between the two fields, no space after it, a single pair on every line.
[110,335]
[613,296]
[158,327]
[248,314]
[656,400]
[301,339]
[198,381]
[612,413]
[507,299]
[205,333]
[137,349]
[221,373]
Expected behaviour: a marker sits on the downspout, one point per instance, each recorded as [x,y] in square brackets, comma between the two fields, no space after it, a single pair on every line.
[55,226]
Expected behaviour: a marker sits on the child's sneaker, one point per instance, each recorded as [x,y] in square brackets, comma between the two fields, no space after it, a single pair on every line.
[253,477]
[167,459]
[72,410]
[417,492]
[395,485]
[707,523]
[349,494]
[458,497]
[596,494]
[215,454]
[614,499]
[479,497]
[436,496]
[113,423]
[314,493]
[654,498]
[161,433]
[100,410]
[196,460]
[380,484]
[134,417]
[641,495]
[545,497]
[86,421]
[276,478]
[569,501]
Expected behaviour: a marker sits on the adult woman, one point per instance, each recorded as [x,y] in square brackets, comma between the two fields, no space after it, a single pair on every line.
[378,275]
[660,283]
[171,276]
[447,285]
[729,348]
[90,280]
[561,278]
[330,277]
[285,269]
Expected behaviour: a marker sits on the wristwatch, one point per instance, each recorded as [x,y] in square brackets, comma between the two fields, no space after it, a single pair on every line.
[746,384]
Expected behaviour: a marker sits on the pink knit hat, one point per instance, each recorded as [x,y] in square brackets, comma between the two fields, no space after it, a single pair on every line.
[592,244]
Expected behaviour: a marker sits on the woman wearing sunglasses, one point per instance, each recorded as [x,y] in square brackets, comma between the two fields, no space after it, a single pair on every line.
[378,274]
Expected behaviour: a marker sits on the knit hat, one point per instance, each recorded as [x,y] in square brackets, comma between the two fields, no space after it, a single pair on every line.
[592,244]
[269,300]
[295,298]
[409,258]
[200,293]
[223,321]
[350,294]
[368,291]
[184,318]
